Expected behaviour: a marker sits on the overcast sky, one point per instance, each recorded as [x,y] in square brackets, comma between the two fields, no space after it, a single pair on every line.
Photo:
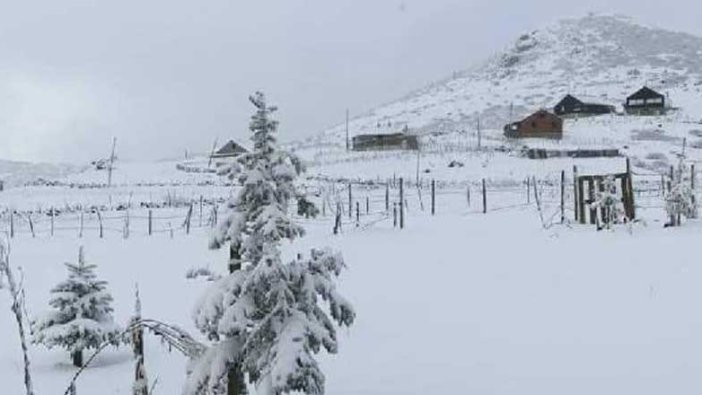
[168,75]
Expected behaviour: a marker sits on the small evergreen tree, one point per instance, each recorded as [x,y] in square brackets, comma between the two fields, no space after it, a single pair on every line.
[82,315]
[609,203]
[266,317]
[680,199]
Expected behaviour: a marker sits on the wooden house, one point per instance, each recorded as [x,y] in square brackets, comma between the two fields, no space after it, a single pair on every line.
[229,150]
[645,101]
[570,106]
[382,142]
[539,124]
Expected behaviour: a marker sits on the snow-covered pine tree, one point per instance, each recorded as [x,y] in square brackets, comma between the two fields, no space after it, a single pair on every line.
[610,204]
[680,199]
[267,318]
[81,318]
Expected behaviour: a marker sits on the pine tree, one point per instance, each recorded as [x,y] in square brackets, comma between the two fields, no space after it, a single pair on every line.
[680,199]
[266,317]
[82,315]
[611,205]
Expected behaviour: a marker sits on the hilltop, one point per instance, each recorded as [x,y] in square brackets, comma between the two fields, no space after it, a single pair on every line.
[602,57]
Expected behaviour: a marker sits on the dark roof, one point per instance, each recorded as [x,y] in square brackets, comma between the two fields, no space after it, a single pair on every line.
[569,100]
[230,149]
[644,93]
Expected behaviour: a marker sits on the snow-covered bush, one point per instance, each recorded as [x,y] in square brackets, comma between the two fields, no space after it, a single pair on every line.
[609,203]
[680,198]
[81,318]
[267,318]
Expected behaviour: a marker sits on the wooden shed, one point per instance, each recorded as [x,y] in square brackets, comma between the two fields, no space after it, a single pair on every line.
[574,107]
[539,124]
[229,150]
[646,101]
[381,142]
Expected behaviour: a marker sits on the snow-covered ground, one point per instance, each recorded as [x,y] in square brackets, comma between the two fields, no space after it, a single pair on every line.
[459,302]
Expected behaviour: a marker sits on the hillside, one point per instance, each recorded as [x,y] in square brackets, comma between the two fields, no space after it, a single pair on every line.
[602,57]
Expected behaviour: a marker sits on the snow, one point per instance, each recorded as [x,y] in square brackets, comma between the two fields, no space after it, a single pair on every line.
[459,302]
[442,306]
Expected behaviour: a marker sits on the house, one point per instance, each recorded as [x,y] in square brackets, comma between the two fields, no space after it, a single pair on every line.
[539,124]
[574,107]
[229,150]
[381,142]
[645,101]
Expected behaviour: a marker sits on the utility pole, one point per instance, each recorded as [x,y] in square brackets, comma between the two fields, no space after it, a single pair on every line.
[347,129]
[112,162]
[214,147]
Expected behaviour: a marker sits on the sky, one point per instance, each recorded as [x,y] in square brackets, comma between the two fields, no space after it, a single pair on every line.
[163,77]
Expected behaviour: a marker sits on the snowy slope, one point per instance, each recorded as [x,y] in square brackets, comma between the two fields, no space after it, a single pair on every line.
[604,58]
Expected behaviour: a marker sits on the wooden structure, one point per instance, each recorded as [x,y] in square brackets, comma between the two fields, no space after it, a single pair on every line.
[539,124]
[585,191]
[229,150]
[574,107]
[543,153]
[383,142]
[645,101]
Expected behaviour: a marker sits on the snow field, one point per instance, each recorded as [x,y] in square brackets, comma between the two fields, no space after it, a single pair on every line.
[458,302]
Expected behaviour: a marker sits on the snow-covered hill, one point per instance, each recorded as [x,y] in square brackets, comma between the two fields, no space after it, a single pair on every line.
[605,57]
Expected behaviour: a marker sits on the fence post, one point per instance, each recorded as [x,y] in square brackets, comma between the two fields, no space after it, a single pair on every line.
[12,223]
[394,215]
[149,226]
[80,229]
[100,222]
[591,196]
[350,202]
[528,182]
[468,194]
[575,193]
[188,218]
[630,190]
[562,196]
[387,196]
[200,222]
[402,204]
[324,207]
[31,224]
[125,231]
[367,205]
[484,198]
[337,219]
[433,197]
[358,214]
[52,221]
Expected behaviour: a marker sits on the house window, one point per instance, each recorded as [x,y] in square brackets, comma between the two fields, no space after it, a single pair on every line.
[657,100]
[636,102]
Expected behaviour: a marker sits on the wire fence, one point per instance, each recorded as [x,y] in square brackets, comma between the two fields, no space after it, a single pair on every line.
[350,204]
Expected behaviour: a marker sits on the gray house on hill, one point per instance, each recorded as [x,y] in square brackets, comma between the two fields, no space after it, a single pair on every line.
[229,150]
[570,106]
[382,142]
[646,101]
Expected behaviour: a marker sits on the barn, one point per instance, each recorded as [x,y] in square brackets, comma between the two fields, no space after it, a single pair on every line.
[229,150]
[645,101]
[382,142]
[571,106]
[539,124]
